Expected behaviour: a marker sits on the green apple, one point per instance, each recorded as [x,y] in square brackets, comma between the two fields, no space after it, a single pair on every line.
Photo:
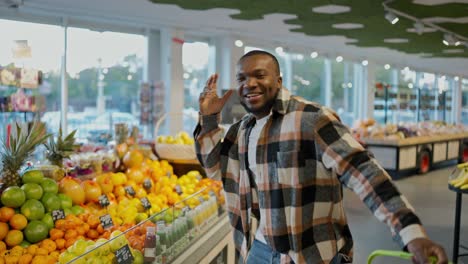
[65,200]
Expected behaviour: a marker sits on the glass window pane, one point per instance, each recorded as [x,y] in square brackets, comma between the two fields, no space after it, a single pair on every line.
[464,114]
[46,53]
[105,70]
[198,64]
[307,77]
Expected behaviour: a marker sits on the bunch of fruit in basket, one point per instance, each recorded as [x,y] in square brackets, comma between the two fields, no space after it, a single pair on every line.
[181,138]
[459,177]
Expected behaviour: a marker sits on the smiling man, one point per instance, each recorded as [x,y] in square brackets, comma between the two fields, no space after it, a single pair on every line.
[285,164]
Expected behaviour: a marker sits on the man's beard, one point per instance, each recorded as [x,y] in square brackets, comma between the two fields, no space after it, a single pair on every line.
[264,109]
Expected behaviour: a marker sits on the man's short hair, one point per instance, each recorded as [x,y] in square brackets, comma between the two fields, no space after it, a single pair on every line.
[262,52]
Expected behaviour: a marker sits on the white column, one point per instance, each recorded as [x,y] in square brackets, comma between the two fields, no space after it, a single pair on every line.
[358,87]
[227,55]
[172,75]
[368,107]
[457,95]
[327,93]
[287,78]
[64,80]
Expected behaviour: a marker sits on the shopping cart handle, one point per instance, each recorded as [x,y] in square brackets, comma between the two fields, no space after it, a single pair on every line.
[397,254]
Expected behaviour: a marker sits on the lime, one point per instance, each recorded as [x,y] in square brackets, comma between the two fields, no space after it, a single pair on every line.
[33,176]
[66,201]
[51,202]
[36,231]
[13,197]
[49,186]
[33,210]
[48,220]
[32,190]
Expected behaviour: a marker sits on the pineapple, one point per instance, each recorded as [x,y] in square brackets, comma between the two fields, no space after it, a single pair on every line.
[21,146]
[60,149]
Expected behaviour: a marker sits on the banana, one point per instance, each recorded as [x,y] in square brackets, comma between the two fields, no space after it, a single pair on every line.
[461,182]
[464,187]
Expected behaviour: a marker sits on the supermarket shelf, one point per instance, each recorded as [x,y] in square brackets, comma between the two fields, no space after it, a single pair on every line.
[216,238]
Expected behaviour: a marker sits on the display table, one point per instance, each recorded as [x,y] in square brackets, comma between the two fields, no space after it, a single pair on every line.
[456,232]
[213,242]
[406,155]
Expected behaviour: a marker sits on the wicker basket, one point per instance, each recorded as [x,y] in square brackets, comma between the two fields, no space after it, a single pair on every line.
[173,151]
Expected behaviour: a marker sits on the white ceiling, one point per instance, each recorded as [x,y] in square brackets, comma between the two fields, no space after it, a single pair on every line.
[270,31]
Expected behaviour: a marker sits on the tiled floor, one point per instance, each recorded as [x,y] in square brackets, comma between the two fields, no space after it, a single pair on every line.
[434,204]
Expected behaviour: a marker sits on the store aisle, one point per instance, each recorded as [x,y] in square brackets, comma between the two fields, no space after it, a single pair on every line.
[434,204]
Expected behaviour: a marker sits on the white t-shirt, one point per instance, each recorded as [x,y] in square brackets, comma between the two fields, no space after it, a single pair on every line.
[252,154]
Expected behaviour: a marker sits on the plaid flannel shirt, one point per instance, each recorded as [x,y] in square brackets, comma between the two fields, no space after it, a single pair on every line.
[304,156]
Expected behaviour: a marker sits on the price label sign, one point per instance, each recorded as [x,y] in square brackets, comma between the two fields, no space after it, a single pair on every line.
[147,184]
[185,210]
[178,189]
[58,214]
[123,255]
[104,200]
[146,203]
[106,221]
[130,191]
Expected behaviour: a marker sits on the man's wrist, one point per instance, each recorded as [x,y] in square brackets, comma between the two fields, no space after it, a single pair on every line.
[208,122]
[412,232]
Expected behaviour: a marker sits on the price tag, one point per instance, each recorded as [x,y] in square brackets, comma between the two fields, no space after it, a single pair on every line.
[185,210]
[106,221]
[146,203]
[178,189]
[104,200]
[123,255]
[129,190]
[58,214]
[147,184]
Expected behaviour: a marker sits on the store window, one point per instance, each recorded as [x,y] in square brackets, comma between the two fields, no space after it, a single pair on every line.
[105,70]
[343,90]
[38,47]
[464,113]
[407,96]
[308,75]
[386,94]
[198,61]
[429,97]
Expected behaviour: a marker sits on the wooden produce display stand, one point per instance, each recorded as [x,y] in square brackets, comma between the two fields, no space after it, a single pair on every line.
[418,154]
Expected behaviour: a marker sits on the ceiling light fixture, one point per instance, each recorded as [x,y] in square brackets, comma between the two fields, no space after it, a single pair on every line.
[456,78]
[410,85]
[279,50]
[314,55]
[387,66]
[450,37]
[391,17]
[239,43]
[365,62]
[339,59]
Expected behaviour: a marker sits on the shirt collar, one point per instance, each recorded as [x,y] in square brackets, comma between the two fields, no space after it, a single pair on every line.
[280,106]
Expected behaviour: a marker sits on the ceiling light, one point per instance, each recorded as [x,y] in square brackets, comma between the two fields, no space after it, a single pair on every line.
[406,68]
[239,43]
[365,62]
[300,57]
[392,18]
[457,43]
[418,27]
[339,59]
[279,50]
[410,85]
[387,66]
[456,78]
[449,39]
[314,55]
[350,85]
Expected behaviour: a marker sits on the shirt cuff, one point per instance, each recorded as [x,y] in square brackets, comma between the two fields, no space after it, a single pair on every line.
[412,232]
[209,122]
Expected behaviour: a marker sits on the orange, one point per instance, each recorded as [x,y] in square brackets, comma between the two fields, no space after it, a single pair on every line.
[136,175]
[4,228]
[13,238]
[6,213]
[2,246]
[18,222]
[25,259]
[133,158]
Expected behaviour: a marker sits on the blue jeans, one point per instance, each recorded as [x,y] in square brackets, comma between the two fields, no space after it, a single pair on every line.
[261,253]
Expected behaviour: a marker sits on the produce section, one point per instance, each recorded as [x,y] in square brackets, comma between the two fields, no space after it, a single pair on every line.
[89,208]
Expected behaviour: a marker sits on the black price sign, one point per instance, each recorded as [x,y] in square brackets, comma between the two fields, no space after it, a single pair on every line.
[178,189]
[123,255]
[146,203]
[104,200]
[58,214]
[106,221]
[130,191]
[147,184]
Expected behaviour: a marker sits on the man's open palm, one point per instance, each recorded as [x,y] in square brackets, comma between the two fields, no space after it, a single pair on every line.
[209,102]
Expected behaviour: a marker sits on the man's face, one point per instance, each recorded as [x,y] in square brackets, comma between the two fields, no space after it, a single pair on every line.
[259,81]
